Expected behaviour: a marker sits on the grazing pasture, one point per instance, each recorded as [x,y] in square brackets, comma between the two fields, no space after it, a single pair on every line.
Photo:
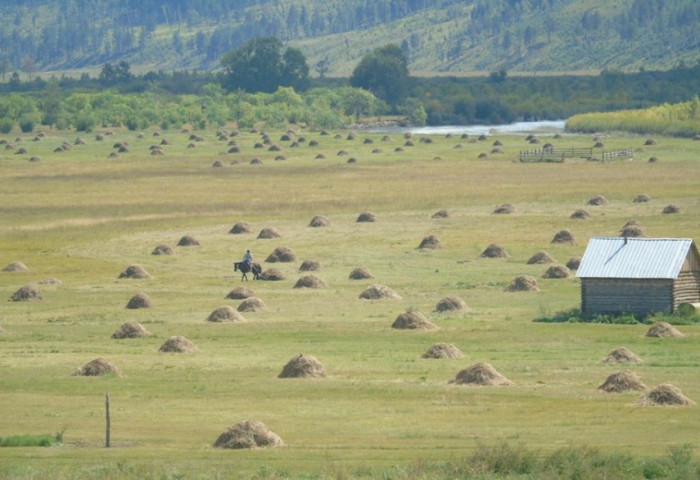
[81,216]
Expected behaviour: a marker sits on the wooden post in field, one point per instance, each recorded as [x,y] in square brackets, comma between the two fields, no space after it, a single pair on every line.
[109,426]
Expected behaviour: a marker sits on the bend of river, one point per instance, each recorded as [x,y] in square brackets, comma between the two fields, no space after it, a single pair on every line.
[548,127]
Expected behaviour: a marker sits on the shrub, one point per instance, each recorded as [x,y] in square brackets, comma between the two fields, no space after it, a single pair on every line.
[6,125]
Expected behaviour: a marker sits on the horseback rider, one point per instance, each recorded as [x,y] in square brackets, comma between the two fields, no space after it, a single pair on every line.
[248,259]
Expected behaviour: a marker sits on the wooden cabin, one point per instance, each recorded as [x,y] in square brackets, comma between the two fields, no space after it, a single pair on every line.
[638,275]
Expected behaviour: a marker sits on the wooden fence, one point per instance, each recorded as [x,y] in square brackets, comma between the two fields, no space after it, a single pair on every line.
[558,156]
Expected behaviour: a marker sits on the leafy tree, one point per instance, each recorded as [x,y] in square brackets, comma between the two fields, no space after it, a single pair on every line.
[260,66]
[384,72]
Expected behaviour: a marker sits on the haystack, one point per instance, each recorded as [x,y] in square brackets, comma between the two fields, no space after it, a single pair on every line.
[541,258]
[134,271]
[665,394]
[430,242]
[564,237]
[272,275]
[451,303]
[216,164]
[480,374]
[598,200]
[663,329]
[140,300]
[632,231]
[15,267]
[303,366]
[187,241]
[282,255]
[240,227]
[643,198]
[557,271]
[225,314]
[310,281]
[27,293]
[319,221]
[97,367]
[310,266]
[376,292]
[441,214]
[248,434]
[494,251]
[671,209]
[240,293]
[580,214]
[352,160]
[573,263]
[252,304]
[131,330]
[49,281]
[505,208]
[162,250]
[443,350]
[523,283]
[360,273]
[622,355]
[367,217]
[650,141]
[268,233]
[412,320]
[622,382]
[178,344]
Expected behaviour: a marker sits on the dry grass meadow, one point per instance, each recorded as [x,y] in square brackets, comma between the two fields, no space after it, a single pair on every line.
[82,217]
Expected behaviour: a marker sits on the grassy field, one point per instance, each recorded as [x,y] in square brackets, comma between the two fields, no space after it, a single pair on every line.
[83,217]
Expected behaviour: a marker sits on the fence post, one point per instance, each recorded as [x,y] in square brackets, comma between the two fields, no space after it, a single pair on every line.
[109,426]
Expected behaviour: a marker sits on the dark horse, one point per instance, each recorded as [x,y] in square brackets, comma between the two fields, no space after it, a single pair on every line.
[245,268]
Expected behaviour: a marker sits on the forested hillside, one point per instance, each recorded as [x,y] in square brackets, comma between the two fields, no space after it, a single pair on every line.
[437,36]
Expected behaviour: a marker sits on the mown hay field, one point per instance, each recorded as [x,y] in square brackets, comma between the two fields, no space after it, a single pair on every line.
[82,216]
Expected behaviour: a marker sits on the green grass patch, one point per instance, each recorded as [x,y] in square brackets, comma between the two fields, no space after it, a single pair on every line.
[32,440]
[574,315]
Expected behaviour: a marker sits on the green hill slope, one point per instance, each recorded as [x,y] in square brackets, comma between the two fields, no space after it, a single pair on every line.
[442,36]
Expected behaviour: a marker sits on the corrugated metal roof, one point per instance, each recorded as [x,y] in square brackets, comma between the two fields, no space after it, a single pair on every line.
[619,257]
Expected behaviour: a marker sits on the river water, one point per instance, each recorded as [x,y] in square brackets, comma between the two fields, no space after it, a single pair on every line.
[548,127]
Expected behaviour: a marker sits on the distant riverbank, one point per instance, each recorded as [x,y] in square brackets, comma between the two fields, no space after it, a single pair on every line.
[545,127]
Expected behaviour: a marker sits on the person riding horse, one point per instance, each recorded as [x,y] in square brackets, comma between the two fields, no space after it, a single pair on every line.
[248,259]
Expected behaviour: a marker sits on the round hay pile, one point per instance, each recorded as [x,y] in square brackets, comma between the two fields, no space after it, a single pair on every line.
[178,344]
[541,258]
[494,251]
[360,273]
[268,233]
[480,374]
[140,300]
[248,434]
[134,271]
[240,227]
[643,198]
[505,208]
[632,231]
[367,217]
[282,255]
[352,160]
[665,394]
[599,145]
[97,367]
[310,281]
[441,214]
[443,350]
[523,283]
[162,250]
[256,161]
[632,222]
[15,267]
[564,237]
[671,209]
[451,303]
[622,355]
[650,141]
[187,241]
[319,221]
[557,271]
[412,320]
[225,314]
[131,330]
[580,214]
[272,275]
[430,242]
[573,263]
[376,292]
[252,304]
[27,293]
[662,330]
[49,281]
[622,382]
[216,164]
[303,366]
[598,200]
[310,266]
[240,293]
